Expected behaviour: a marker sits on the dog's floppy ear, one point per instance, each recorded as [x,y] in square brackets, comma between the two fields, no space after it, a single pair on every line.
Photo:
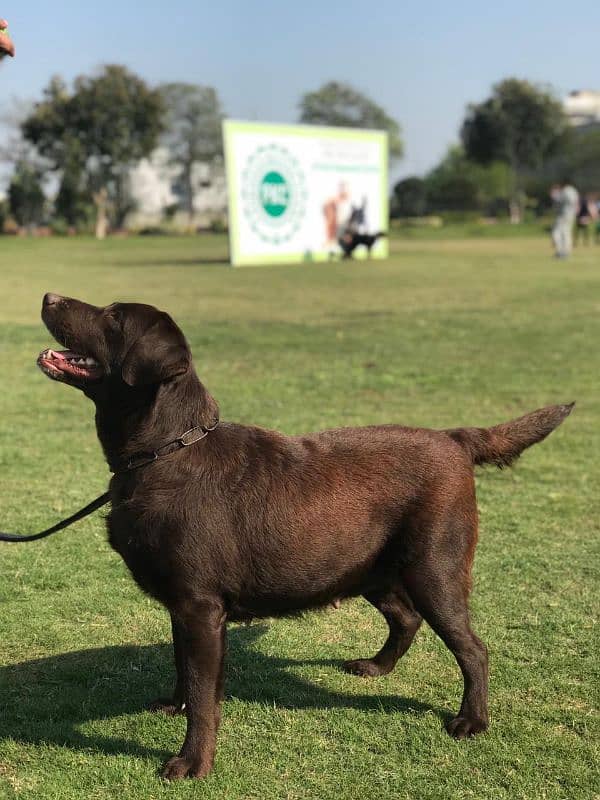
[159,354]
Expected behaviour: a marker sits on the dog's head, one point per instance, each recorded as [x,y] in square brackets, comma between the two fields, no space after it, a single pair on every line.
[132,344]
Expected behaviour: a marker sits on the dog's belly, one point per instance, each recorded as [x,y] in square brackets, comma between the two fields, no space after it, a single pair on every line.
[274,570]
[289,586]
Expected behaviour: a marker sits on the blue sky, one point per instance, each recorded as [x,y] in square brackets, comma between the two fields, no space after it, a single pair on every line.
[422,61]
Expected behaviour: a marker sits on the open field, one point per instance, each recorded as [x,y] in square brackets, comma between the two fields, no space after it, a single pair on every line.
[445,333]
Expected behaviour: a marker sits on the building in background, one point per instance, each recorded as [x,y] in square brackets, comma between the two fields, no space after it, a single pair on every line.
[582,108]
[156,192]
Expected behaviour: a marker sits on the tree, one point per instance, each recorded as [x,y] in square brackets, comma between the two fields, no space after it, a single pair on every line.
[3,214]
[25,195]
[192,131]
[457,184]
[520,125]
[14,149]
[95,133]
[452,191]
[340,105]
[578,162]
[409,198]
[73,202]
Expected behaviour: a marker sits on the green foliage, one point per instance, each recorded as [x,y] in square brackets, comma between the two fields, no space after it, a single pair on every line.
[520,124]
[409,198]
[59,226]
[192,131]
[94,133]
[72,202]
[341,105]
[458,184]
[578,162]
[26,197]
[451,190]
[218,225]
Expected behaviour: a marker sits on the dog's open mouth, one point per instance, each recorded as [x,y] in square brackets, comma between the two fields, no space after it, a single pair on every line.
[65,365]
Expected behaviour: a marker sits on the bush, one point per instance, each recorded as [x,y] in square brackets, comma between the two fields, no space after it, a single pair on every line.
[218,226]
[60,227]
[460,216]
[10,227]
[153,230]
[431,221]
[409,198]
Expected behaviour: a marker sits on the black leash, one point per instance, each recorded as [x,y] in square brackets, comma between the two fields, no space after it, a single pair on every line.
[136,461]
[83,512]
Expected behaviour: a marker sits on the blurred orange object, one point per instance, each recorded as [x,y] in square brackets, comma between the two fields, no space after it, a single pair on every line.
[7,48]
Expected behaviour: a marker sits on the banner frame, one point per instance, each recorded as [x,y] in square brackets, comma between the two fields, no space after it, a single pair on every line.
[231,127]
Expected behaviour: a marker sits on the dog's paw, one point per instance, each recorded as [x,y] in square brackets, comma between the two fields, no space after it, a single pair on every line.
[179,767]
[461,727]
[166,706]
[364,667]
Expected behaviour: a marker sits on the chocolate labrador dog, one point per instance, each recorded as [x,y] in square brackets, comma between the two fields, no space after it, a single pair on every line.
[246,522]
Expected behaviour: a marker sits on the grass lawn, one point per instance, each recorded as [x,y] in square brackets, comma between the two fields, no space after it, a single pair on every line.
[445,333]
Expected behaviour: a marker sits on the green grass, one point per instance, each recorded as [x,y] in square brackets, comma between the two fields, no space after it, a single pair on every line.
[444,333]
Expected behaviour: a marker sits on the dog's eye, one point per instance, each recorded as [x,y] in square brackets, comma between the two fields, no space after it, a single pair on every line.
[113,317]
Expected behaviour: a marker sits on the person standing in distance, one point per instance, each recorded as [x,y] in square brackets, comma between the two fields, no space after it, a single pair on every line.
[566,201]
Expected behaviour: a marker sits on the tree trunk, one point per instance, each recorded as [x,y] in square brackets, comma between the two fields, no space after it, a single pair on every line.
[515,211]
[515,201]
[101,202]
[189,191]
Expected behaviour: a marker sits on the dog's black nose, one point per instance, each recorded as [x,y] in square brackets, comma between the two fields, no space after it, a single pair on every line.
[51,299]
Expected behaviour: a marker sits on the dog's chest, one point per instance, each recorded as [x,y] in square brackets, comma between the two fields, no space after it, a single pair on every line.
[141,547]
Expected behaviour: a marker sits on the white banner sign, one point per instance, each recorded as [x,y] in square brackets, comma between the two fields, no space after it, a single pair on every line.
[305,193]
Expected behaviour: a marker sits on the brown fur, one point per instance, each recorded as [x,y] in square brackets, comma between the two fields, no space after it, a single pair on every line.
[251,523]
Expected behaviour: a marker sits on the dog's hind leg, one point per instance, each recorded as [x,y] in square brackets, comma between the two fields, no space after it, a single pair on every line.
[403,622]
[443,604]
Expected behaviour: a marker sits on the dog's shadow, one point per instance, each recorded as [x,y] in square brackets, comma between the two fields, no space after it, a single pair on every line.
[48,700]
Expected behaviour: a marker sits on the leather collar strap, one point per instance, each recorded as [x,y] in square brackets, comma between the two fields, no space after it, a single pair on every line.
[136,461]
[190,436]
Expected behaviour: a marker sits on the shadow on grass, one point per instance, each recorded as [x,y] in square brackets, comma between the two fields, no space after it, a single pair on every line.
[48,699]
[165,261]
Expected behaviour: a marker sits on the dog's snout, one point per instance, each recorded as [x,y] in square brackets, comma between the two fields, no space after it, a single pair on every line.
[51,299]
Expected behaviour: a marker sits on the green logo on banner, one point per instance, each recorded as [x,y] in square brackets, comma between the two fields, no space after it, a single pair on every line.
[273,193]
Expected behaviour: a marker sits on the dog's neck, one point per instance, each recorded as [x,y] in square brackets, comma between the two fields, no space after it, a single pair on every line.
[142,420]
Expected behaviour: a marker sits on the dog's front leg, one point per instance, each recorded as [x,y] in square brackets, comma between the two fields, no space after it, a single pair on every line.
[175,704]
[202,629]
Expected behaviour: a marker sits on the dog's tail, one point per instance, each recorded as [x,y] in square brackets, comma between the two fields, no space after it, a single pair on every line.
[371,239]
[503,444]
